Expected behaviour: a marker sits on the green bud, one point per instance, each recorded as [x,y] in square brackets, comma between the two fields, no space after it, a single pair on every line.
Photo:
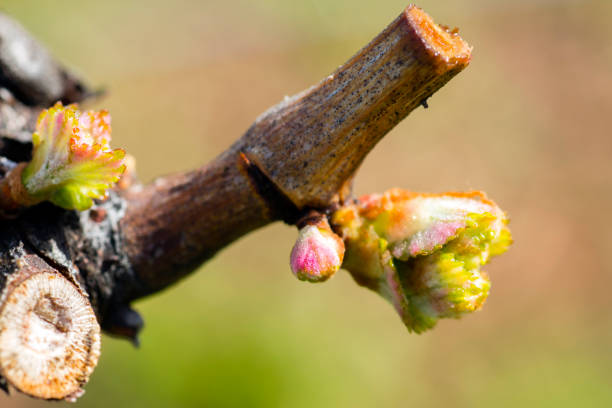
[423,252]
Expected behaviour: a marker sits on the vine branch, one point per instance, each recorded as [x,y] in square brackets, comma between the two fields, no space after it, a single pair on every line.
[304,152]
[297,159]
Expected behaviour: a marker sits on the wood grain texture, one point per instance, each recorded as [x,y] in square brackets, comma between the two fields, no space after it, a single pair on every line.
[49,334]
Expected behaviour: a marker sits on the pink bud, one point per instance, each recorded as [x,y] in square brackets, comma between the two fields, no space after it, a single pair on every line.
[317,253]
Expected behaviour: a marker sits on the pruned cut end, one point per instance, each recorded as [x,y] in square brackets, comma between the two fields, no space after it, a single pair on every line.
[442,44]
[49,337]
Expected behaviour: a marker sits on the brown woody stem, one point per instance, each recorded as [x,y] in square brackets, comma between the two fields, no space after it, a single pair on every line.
[13,195]
[62,272]
[300,154]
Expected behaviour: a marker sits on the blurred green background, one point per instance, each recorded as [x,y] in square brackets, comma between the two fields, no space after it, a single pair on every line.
[528,122]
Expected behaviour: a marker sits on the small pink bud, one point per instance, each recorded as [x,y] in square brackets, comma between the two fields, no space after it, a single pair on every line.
[317,253]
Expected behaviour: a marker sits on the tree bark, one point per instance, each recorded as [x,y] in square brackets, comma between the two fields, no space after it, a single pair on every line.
[298,156]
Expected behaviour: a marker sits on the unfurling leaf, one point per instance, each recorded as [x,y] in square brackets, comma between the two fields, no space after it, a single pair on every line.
[423,252]
[72,162]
